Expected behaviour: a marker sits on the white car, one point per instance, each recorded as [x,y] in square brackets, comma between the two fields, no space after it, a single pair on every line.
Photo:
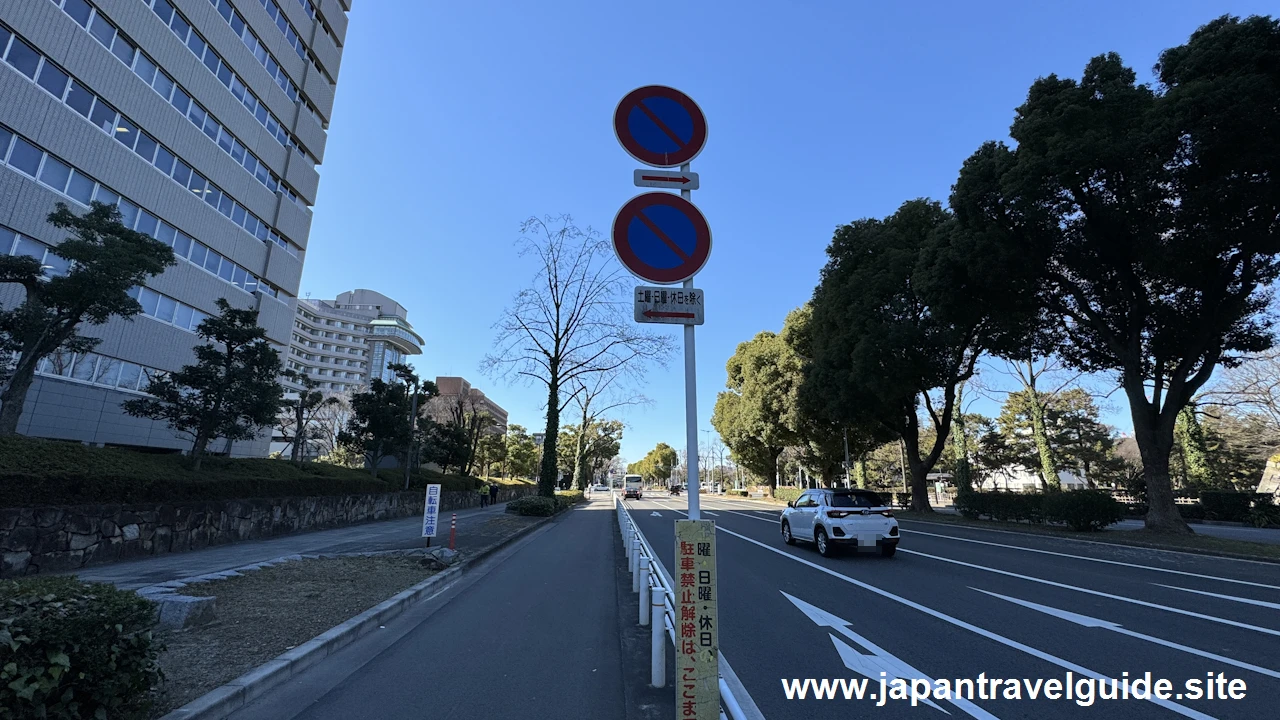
[600,488]
[828,518]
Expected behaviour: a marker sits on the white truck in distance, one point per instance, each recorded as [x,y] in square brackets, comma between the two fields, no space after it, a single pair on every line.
[633,487]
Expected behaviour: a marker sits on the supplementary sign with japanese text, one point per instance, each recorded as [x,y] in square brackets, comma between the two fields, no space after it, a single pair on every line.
[678,306]
[431,512]
[697,622]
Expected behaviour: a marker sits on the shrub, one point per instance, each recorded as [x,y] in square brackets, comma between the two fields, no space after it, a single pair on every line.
[533,505]
[787,494]
[1002,506]
[740,493]
[75,650]
[568,498]
[1230,506]
[902,499]
[1191,512]
[1084,510]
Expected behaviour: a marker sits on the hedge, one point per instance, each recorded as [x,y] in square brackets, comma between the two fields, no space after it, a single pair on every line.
[46,472]
[1083,510]
[539,506]
[74,650]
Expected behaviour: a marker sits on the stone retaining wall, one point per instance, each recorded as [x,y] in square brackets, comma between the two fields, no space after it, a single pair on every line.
[48,539]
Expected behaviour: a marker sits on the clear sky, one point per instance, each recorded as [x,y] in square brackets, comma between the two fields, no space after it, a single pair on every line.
[454,121]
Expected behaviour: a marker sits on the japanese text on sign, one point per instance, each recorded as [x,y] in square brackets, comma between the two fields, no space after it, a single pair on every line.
[431,511]
[697,629]
[662,296]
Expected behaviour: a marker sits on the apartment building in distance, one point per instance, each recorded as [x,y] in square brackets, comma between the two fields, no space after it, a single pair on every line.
[344,343]
[455,390]
[205,121]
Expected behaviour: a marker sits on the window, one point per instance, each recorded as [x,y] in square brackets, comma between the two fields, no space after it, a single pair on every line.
[84,367]
[198,253]
[25,156]
[181,245]
[858,499]
[23,58]
[166,234]
[80,188]
[164,160]
[126,132]
[30,248]
[147,148]
[180,27]
[5,138]
[80,99]
[57,265]
[147,223]
[124,50]
[149,299]
[146,70]
[55,174]
[104,117]
[166,308]
[53,80]
[128,212]
[79,11]
[163,85]
[129,374]
[103,30]
[106,196]
[183,317]
[108,371]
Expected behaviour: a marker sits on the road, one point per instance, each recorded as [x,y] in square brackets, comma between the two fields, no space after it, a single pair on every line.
[958,602]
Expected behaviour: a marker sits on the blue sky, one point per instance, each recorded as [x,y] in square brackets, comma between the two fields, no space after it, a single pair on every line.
[455,121]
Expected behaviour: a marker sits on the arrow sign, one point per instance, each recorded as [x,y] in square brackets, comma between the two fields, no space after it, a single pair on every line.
[681,306]
[666,179]
[878,661]
[1092,622]
[655,513]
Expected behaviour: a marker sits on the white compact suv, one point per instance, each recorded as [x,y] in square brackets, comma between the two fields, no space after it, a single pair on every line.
[827,518]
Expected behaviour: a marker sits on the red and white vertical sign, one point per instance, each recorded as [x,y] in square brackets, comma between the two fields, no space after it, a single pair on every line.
[697,622]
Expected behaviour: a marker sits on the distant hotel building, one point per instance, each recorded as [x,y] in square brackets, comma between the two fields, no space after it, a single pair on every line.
[344,343]
[455,390]
[204,121]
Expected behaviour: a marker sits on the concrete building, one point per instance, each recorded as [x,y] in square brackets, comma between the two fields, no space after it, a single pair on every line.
[344,343]
[455,390]
[205,121]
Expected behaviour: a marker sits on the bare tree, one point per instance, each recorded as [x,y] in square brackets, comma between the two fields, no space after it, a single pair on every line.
[326,422]
[1253,386]
[594,395]
[569,325]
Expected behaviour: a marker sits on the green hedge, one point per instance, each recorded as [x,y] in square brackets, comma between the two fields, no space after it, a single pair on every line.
[1228,506]
[45,472]
[73,650]
[1084,510]
[534,505]
[787,494]
[568,498]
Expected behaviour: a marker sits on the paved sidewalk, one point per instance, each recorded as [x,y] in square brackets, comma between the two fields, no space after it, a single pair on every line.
[534,634]
[400,534]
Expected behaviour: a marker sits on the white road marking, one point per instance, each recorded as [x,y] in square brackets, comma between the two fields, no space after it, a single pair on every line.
[1233,598]
[1093,622]
[1099,593]
[1053,659]
[1090,559]
[1095,542]
[655,513]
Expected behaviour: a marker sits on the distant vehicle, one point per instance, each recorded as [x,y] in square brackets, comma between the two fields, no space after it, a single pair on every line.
[599,488]
[633,487]
[674,489]
[827,518]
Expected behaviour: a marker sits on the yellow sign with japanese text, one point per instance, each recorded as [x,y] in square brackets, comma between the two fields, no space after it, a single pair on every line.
[697,622]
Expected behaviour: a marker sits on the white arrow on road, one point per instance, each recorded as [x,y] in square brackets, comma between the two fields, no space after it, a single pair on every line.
[879,661]
[1092,622]
[655,513]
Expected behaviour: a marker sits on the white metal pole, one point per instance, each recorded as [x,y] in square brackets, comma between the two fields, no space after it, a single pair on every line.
[635,561]
[658,638]
[644,591]
[690,402]
[637,569]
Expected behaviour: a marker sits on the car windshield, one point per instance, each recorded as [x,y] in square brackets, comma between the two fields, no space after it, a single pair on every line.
[856,500]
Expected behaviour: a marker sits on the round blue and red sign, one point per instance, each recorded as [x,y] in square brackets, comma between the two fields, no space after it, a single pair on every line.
[660,126]
[661,238]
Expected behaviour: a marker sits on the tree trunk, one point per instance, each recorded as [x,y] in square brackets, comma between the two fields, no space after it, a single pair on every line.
[1155,442]
[377,458]
[960,446]
[548,471]
[773,473]
[15,395]
[919,470]
[299,434]
[197,452]
[1048,469]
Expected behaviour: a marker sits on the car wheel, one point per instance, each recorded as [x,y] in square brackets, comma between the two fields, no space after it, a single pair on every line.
[825,548]
[786,533]
[888,550]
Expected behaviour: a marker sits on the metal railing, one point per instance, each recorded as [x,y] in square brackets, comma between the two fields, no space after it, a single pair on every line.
[657,606]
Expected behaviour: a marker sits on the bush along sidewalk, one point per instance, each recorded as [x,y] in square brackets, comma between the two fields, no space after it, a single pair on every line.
[539,506]
[1082,510]
[75,650]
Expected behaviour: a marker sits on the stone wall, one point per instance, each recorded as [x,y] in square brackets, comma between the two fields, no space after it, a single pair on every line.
[47,539]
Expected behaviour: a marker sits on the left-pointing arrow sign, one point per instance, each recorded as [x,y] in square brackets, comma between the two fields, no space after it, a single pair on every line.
[666,179]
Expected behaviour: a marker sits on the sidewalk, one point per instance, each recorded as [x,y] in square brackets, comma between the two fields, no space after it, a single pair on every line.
[533,632]
[399,534]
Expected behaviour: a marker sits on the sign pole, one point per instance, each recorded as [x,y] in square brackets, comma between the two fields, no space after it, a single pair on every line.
[690,402]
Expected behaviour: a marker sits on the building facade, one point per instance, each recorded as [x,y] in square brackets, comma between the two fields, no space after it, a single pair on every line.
[456,391]
[344,343]
[204,121]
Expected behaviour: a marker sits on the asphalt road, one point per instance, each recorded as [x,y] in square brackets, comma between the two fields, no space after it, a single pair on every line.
[959,602]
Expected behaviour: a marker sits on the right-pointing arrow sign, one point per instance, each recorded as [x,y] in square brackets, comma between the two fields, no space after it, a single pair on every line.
[1092,622]
[666,179]
[878,661]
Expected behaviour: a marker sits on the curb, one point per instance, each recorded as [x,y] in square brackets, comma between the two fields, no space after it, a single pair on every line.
[222,701]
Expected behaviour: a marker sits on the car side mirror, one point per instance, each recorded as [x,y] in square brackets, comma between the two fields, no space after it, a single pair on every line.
[791,504]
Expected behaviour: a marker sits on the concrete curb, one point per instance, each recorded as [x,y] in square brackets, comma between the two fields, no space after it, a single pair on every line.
[222,701]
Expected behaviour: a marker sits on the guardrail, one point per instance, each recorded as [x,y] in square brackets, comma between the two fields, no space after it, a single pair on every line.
[657,606]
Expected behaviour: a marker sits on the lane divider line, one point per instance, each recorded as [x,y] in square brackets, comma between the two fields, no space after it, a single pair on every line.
[1233,598]
[1007,642]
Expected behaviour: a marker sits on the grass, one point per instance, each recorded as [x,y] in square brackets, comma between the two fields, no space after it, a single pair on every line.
[1200,544]
[48,472]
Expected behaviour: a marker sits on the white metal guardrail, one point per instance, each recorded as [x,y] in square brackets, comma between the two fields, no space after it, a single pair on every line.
[657,606]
